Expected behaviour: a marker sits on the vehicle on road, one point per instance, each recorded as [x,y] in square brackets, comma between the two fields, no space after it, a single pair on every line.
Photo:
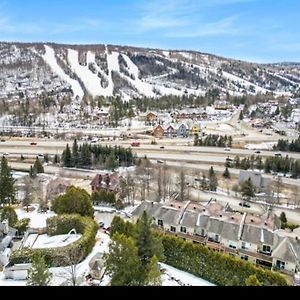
[257,152]
[33,143]
[278,154]
[160,162]
[244,204]
[162,147]
[135,144]
[3,141]
[227,149]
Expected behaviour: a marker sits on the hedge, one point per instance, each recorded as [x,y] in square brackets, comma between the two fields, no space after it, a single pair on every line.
[60,256]
[218,268]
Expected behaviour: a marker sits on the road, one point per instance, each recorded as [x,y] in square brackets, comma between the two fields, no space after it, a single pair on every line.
[176,155]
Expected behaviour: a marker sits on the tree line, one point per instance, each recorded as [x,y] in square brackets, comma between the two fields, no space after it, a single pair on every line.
[285,165]
[213,140]
[286,145]
[89,156]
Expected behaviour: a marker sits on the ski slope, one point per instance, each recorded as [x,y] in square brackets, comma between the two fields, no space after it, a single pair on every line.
[90,80]
[50,59]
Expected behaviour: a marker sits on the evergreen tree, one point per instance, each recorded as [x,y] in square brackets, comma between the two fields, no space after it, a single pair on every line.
[56,159]
[74,201]
[38,167]
[7,184]
[111,162]
[38,274]
[8,213]
[283,219]
[226,174]
[75,153]
[213,181]
[122,262]
[204,185]
[241,116]
[67,157]
[154,274]
[247,188]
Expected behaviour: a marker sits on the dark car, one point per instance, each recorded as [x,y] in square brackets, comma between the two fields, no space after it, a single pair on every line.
[3,141]
[257,152]
[244,204]
[162,147]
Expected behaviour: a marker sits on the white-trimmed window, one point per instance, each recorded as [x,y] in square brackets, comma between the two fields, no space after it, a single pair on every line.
[173,229]
[160,222]
[183,229]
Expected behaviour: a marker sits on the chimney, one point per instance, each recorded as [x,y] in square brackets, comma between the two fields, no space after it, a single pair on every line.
[203,209]
[252,220]
[221,216]
[232,218]
[195,207]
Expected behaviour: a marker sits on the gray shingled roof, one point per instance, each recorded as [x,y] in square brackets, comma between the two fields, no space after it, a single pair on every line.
[287,251]
[151,208]
[251,234]
[168,215]
[268,237]
[203,221]
[230,231]
[215,225]
[189,219]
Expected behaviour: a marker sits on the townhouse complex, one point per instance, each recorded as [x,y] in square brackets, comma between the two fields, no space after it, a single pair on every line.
[255,238]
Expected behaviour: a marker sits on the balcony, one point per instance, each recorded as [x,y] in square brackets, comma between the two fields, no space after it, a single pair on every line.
[257,255]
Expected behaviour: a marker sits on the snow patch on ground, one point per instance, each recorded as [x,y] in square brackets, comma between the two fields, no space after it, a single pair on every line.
[50,59]
[37,220]
[175,277]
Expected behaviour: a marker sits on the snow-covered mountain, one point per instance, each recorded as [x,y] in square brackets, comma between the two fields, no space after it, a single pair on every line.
[27,70]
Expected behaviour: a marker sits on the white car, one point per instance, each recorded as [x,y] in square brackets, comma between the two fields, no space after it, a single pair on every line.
[227,149]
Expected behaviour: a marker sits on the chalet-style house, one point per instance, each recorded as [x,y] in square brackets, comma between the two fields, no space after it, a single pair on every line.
[257,239]
[108,182]
[158,131]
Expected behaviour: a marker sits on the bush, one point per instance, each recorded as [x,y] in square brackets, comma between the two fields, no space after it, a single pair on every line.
[22,225]
[74,201]
[104,197]
[8,213]
[56,257]
[220,269]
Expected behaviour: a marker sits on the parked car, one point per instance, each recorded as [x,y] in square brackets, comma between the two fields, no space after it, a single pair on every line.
[162,147]
[33,143]
[257,152]
[278,154]
[227,149]
[244,204]
[3,141]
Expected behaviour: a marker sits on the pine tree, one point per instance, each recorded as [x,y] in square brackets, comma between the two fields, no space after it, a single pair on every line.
[241,116]
[7,182]
[122,262]
[75,153]
[247,188]
[38,274]
[111,162]
[8,213]
[213,181]
[38,167]
[154,274]
[67,157]
[226,174]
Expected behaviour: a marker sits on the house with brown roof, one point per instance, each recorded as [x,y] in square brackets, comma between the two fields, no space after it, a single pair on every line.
[108,182]
[158,131]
